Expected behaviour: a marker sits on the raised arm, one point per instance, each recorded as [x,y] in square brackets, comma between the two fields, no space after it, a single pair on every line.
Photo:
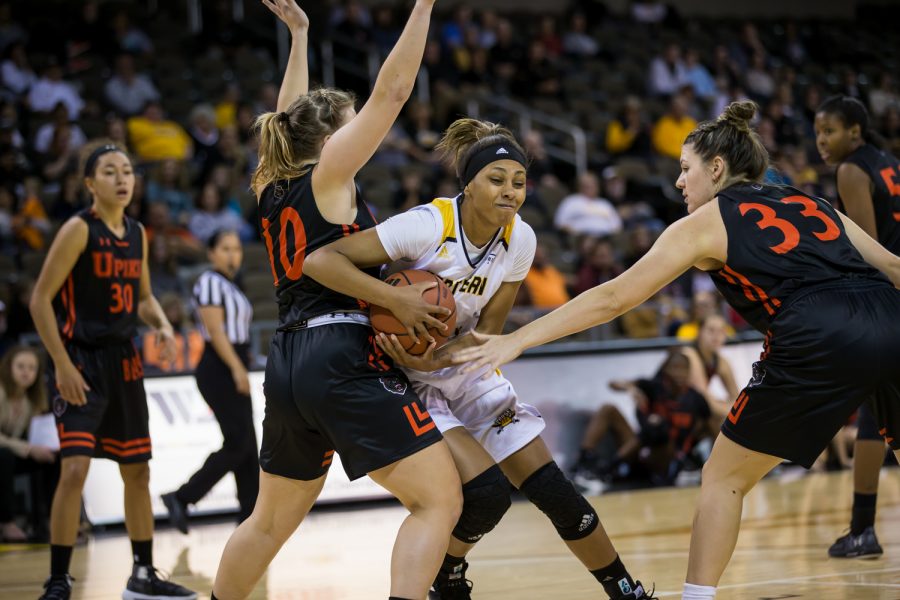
[874,253]
[354,144]
[694,239]
[296,73]
[69,244]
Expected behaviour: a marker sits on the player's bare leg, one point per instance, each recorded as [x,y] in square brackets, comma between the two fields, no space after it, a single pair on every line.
[280,507]
[434,503]
[728,475]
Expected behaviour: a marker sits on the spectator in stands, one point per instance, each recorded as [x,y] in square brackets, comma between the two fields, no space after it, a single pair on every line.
[548,35]
[725,67]
[116,130]
[672,128]
[205,137]
[704,304]
[11,31]
[16,73]
[50,90]
[23,396]
[188,341]
[7,341]
[60,158]
[759,81]
[127,90]
[544,286]
[30,223]
[164,267]
[698,76]
[628,135]
[182,246]
[128,37]
[885,95]
[226,107]
[537,75]
[890,129]
[70,200]
[9,126]
[576,41]
[671,417]
[234,155]
[640,239]
[668,73]
[386,31]
[506,56]
[599,267]
[211,215]
[707,362]
[154,138]
[58,118]
[542,171]
[8,244]
[168,185]
[586,212]
[412,191]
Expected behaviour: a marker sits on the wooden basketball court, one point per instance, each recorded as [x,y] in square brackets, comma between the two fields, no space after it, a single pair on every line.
[789,522]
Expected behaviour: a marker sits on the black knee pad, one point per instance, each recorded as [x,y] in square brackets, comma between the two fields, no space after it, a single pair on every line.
[549,490]
[485,501]
[867,427]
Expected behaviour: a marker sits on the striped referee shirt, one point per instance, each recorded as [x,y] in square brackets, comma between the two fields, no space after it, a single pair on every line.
[214,289]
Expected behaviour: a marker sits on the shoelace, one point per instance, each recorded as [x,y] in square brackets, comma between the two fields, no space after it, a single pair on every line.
[56,587]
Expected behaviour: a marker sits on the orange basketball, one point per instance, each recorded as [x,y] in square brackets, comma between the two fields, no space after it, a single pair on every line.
[383,321]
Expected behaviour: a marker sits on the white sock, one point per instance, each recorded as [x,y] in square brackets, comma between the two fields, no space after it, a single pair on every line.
[698,592]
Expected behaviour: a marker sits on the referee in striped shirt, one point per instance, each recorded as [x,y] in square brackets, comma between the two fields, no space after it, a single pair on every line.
[225,315]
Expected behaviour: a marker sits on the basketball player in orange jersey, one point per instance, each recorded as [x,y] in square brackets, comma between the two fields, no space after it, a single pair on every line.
[328,386]
[93,287]
[813,281]
[479,245]
[868,181]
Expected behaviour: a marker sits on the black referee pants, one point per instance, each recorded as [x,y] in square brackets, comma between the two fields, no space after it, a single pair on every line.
[238,453]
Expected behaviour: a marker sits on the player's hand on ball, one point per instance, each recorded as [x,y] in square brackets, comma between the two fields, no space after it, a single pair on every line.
[415,313]
[490,352]
[291,14]
[71,384]
[393,348]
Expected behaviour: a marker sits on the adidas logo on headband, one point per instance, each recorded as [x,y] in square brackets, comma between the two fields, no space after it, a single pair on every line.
[502,151]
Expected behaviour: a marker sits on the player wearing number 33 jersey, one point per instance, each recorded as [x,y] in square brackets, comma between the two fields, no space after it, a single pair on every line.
[431,238]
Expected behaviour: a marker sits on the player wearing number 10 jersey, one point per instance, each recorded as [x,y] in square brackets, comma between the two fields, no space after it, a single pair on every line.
[822,291]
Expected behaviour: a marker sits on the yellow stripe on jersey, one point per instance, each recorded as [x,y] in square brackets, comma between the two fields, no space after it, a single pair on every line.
[446,208]
[507,232]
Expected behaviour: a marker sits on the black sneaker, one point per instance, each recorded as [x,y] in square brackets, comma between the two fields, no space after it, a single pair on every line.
[454,586]
[145,584]
[57,587]
[177,511]
[638,593]
[864,545]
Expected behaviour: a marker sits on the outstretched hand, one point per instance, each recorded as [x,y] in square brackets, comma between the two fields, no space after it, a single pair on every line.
[491,351]
[291,14]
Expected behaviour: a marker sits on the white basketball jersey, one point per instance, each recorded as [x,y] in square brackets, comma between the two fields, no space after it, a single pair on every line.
[472,276]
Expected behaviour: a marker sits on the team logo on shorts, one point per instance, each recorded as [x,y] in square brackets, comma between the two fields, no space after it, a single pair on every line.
[759,373]
[59,406]
[394,385]
[506,418]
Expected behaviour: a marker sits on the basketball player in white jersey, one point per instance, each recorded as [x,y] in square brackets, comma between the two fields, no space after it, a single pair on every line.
[482,249]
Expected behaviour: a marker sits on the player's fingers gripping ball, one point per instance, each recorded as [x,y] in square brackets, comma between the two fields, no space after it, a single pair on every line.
[384,321]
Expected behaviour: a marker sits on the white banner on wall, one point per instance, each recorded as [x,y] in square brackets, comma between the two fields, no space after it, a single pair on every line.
[565,388]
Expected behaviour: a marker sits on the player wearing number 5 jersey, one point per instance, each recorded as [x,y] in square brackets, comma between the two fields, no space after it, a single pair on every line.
[93,288]
[800,272]
[868,182]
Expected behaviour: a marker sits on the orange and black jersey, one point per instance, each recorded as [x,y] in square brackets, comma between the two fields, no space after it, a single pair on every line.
[97,303]
[781,241]
[884,171]
[292,227]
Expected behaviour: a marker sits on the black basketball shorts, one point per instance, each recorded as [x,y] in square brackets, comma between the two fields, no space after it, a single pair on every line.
[114,423]
[830,349]
[329,389]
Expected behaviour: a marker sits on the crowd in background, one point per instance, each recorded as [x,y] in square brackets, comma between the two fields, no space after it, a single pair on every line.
[184,105]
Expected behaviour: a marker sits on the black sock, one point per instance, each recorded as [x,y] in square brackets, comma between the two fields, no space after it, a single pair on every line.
[212,596]
[451,565]
[142,552]
[863,512]
[615,579]
[60,557]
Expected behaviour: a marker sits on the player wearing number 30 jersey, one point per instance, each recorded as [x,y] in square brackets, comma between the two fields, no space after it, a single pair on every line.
[801,273]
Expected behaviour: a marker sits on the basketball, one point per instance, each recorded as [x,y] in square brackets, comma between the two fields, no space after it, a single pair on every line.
[384,321]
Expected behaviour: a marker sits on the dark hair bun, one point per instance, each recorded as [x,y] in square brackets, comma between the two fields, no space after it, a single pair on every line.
[739,114]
